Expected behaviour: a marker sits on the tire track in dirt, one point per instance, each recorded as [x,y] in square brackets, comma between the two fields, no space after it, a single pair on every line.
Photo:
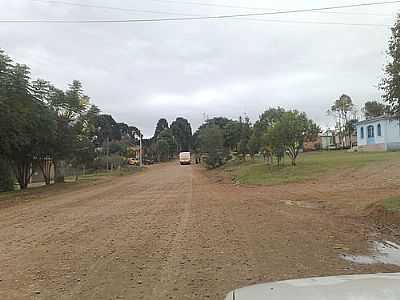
[165,288]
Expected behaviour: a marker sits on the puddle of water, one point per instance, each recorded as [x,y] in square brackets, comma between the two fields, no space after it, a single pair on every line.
[383,253]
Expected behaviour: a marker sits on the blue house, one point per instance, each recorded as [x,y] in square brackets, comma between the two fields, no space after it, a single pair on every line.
[378,134]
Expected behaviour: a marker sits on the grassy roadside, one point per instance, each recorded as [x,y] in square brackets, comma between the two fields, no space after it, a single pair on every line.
[310,166]
[392,204]
[70,183]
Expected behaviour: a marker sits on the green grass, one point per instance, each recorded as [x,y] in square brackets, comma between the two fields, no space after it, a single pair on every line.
[309,166]
[392,204]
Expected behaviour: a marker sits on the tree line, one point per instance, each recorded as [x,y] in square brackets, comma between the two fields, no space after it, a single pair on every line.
[277,132]
[168,140]
[42,126]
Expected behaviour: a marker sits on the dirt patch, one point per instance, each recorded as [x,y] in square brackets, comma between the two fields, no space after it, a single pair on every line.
[175,233]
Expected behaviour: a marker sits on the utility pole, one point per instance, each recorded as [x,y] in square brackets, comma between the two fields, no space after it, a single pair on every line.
[140,151]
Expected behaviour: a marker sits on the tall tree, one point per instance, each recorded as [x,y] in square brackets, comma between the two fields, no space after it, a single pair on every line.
[25,123]
[373,109]
[6,176]
[342,110]
[69,107]
[182,132]
[254,144]
[212,144]
[107,131]
[166,138]
[390,84]
[161,125]
[232,133]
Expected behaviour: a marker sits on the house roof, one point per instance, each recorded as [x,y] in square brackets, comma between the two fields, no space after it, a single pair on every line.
[372,120]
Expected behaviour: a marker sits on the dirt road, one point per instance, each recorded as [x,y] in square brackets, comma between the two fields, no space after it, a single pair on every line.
[170,232]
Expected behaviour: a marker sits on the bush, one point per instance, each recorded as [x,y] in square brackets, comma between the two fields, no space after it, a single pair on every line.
[7,179]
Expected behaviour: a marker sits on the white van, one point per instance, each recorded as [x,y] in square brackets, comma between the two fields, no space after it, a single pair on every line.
[184,158]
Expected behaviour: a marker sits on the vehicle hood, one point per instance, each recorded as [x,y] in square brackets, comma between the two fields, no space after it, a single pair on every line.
[353,287]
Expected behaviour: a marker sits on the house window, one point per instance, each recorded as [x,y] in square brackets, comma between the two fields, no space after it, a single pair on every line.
[379,128]
[362,132]
[371,132]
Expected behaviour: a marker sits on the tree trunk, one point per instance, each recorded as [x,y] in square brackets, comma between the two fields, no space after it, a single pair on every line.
[59,171]
[45,167]
[23,172]
[293,152]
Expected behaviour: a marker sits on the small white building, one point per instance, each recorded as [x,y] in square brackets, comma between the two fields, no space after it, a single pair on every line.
[327,139]
[378,134]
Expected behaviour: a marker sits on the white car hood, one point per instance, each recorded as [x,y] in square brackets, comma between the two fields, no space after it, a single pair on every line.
[354,287]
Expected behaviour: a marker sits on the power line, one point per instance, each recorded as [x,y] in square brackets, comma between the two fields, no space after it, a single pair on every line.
[113,8]
[319,23]
[258,8]
[205,17]
[193,3]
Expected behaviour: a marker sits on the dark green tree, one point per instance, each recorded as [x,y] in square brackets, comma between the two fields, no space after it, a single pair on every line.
[161,125]
[254,144]
[6,176]
[182,132]
[162,149]
[390,84]
[373,109]
[212,144]
[167,137]
[232,133]
[26,124]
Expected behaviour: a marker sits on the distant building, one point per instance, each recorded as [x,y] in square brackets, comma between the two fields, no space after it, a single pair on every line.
[328,140]
[378,134]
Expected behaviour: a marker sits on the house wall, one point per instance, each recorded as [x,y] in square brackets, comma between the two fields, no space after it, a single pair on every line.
[393,135]
[388,141]
[378,139]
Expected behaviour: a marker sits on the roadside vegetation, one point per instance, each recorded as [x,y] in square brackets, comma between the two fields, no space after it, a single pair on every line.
[392,204]
[279,135]
[54,132]
[58,134]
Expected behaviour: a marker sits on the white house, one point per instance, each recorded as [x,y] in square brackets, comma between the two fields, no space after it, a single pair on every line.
[378,134]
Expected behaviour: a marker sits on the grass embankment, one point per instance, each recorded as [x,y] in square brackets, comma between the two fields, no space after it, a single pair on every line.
[392,205]
[310,166]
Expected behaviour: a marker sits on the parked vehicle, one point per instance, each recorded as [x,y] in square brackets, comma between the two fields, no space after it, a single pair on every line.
[363,287]
[148,161]
[184,158]
[133,162]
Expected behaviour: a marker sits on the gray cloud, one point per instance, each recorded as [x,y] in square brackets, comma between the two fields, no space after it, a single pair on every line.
[141,72]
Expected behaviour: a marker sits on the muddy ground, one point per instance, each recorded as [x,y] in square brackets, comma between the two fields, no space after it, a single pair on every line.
[178,232]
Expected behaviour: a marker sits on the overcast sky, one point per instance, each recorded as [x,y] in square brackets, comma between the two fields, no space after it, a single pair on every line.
[142,72]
